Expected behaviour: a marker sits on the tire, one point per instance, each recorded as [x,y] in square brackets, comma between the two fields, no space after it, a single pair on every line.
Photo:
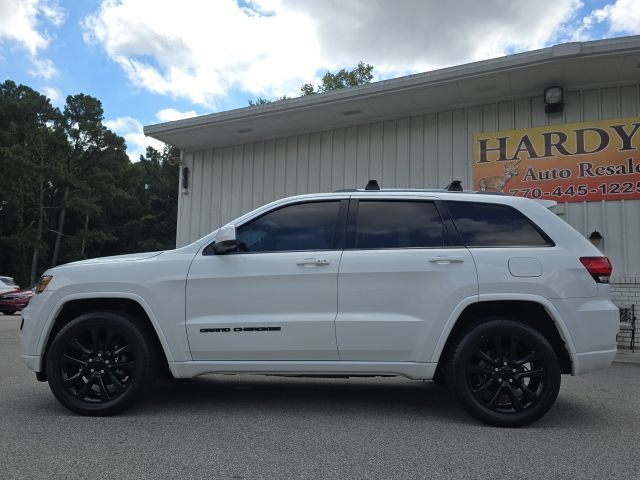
[9,312]
[504,373]
[99,363]
[440,377]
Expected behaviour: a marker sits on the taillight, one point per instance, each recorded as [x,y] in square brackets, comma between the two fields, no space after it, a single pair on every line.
[598,267]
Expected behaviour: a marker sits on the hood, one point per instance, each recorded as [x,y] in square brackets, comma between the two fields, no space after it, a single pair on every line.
[131,257]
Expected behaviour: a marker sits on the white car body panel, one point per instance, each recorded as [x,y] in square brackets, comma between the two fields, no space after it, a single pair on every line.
[393,303]
[263,290]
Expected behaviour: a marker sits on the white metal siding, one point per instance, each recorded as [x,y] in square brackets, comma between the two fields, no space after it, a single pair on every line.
[423,151]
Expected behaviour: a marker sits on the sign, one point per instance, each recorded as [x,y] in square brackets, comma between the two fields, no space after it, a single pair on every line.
[568,163]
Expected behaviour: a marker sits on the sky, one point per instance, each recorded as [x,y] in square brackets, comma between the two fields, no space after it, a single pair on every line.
[152,61]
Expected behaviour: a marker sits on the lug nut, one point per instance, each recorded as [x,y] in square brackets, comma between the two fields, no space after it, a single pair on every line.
[511,380]
[92,370]
[505,364]
[101,371]
[499,379]
[514,370]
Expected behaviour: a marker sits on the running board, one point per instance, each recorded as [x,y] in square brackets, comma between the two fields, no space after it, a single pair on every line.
[412,370]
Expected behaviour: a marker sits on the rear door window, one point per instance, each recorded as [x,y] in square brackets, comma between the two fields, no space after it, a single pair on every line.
[398,224]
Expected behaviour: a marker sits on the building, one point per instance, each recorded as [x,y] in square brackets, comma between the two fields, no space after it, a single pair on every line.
[485,123]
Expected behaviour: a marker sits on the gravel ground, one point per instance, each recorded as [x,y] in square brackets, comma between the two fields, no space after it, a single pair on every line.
[243,427]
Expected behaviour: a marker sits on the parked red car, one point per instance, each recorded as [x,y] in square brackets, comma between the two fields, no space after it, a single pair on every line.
[12,302]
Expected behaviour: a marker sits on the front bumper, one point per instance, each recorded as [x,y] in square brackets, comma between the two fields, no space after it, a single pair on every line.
[32,362]
[34,319]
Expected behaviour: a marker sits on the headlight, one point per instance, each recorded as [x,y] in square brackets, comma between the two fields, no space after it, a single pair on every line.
[42,283]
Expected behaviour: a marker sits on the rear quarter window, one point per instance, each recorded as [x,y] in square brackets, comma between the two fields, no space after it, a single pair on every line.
[492,225]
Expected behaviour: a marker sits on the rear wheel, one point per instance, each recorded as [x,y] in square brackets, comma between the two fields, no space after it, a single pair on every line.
[504,373]
[99,363]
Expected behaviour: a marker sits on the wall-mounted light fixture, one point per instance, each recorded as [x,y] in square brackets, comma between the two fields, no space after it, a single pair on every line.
[553,97]
[185,179]
[595,237]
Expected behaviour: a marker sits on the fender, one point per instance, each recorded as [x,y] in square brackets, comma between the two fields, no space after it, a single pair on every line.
[53,314]
[455,315]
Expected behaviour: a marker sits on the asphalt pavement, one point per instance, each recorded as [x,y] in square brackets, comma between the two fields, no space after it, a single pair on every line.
[243,427]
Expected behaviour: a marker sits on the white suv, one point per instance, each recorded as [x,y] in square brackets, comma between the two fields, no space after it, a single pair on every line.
[494,295]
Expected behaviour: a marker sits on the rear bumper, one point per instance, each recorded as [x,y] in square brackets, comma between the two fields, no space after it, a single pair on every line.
[590,361]
[592,324]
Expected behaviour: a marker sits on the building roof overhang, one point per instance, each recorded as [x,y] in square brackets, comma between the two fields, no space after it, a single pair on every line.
[570,65]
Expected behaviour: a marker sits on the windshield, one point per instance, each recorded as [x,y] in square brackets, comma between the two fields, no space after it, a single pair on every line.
[8,281]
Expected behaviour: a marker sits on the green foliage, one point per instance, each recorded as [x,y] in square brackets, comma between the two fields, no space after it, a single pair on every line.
[360,75]
[68,190]
[264,101]
[307,89]
[259,101]
[344,78]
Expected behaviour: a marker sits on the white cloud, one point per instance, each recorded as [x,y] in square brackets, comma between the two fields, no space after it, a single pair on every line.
[623,16]
[43,68]
[20,21]
[171,114]
[53,12]
[200,50]
[131,129]
[54,95]
[415,35]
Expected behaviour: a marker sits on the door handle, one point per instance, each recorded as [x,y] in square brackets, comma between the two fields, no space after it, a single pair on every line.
[313,262]
[443,259]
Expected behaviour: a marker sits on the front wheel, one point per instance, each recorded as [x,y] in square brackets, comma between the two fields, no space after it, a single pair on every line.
[504,373]
[99,363]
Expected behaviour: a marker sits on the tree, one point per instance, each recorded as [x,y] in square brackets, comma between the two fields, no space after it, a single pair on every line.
[68,190]
[154,188]
[31,144]
[360,75]
[82,123]
[264,101]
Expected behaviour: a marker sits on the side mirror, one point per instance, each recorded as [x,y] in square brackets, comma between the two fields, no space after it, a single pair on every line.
[225,240]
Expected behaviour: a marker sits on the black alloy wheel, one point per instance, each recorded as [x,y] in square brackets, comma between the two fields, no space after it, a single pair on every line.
[99,363]
[505,373]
